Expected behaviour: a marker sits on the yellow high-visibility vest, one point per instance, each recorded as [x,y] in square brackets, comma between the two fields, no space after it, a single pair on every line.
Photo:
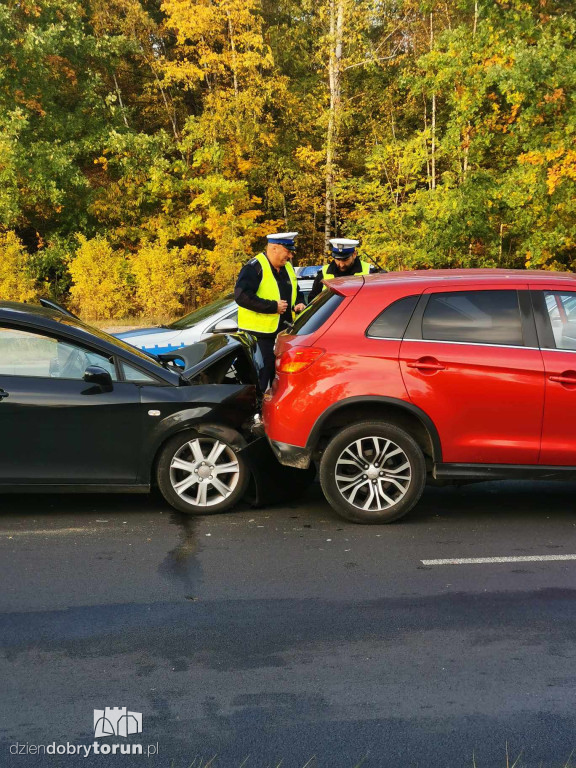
[268,289]
[365,270]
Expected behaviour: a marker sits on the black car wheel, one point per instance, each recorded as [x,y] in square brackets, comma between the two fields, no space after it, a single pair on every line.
[200,475]
[372,472]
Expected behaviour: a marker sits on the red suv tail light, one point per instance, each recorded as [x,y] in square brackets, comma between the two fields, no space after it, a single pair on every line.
[297,360]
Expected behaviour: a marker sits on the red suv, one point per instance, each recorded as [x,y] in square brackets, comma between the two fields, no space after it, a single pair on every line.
[455,375]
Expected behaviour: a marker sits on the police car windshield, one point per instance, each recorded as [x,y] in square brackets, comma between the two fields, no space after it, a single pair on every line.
[188,321]
[100,334]
[309,271]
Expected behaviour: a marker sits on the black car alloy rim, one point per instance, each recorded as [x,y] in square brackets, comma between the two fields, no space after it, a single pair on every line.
[204,471]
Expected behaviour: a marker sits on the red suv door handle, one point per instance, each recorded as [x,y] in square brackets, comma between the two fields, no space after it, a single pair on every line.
[566,377]
[425,364]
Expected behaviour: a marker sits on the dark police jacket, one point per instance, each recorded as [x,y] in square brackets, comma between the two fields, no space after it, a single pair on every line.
[354,269]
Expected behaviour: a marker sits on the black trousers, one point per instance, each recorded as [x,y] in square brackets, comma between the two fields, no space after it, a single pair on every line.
[266,347]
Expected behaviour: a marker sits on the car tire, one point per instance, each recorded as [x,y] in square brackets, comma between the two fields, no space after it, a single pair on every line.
[201,475]
[372,472]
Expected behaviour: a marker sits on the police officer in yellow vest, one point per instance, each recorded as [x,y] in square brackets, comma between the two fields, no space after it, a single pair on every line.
[268,297]
[344,262]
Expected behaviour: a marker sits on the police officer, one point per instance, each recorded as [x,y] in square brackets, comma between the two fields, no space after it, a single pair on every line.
[344,262]
[268,297]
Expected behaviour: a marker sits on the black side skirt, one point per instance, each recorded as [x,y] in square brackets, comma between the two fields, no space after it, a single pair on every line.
[502,472]
[72,488]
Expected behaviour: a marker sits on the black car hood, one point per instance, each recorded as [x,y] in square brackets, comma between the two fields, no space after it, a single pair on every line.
[213,359]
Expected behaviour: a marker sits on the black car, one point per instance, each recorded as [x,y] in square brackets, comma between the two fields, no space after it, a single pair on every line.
[83,411]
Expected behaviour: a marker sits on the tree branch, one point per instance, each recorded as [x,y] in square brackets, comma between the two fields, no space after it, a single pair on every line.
[372,61]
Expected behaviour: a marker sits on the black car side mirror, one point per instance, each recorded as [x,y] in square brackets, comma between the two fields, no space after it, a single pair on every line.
[94,374]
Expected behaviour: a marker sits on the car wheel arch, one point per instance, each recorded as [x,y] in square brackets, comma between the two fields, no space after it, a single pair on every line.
[222,432]
[389,409]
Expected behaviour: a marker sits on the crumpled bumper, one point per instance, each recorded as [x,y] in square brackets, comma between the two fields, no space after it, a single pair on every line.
[271,482]
[291,455]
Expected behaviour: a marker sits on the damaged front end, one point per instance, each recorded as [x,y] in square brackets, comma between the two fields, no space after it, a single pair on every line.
[232,363]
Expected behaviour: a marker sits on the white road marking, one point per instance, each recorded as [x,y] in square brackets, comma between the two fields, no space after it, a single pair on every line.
[520,559]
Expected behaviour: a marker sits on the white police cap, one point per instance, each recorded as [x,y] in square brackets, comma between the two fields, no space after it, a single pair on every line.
[342,247]
[285,239]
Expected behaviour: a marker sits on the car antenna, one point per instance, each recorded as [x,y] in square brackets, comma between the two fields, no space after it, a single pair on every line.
[376,264]
[49,304]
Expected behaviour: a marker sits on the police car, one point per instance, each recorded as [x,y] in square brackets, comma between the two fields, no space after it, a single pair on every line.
[305,277]
[220,316]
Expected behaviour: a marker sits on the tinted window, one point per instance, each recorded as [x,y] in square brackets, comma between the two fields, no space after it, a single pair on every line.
[561,308]
[392,323]
[317,313]
[481,317]
[136,375]
[23,353]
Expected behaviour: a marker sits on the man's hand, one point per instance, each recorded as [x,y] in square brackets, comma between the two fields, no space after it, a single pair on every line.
[299,307]
[282,306]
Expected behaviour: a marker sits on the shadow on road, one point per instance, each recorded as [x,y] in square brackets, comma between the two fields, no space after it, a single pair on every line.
[502,499]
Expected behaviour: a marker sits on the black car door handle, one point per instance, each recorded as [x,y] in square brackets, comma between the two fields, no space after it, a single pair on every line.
[3,394]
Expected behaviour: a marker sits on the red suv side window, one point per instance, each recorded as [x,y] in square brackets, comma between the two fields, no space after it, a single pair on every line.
[392,323]
[475,317]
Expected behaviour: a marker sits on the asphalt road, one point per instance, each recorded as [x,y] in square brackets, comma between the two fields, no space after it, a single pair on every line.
[288,636]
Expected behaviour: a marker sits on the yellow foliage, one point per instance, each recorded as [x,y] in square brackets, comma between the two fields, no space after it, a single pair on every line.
[100,280]
[562,171]
[531,158]
[16,282]
[161,277]
[561,165]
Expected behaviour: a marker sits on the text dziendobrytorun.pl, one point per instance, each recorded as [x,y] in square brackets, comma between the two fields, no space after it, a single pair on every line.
[83,750]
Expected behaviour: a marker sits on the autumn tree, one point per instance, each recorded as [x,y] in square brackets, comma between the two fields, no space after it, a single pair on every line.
[166,138]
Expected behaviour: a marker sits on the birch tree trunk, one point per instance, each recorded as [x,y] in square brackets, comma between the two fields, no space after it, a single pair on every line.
[433,118]
[233,53]
[336,10]
[120,102]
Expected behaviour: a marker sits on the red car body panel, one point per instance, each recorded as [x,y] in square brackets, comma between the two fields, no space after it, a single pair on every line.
[490,403]
[486,401]
[558,446]
[559,426]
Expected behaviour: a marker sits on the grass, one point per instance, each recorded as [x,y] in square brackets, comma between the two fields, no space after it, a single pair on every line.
[128,323]
[517,764]
[200,762]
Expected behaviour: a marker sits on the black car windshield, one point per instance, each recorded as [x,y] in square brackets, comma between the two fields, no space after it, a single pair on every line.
[189,321]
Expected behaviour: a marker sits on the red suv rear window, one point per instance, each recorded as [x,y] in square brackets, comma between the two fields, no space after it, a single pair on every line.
[316,314]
